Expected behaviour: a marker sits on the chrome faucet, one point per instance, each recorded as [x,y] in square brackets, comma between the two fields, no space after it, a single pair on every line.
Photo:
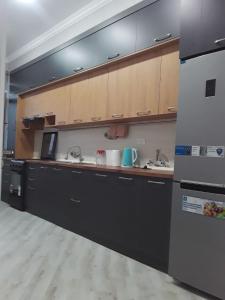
[75,152]
[161,159]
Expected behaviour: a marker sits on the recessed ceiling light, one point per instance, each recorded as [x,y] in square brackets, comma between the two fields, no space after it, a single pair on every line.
[26,1]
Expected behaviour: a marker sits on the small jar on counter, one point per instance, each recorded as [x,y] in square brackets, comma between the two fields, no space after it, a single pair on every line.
[100,157]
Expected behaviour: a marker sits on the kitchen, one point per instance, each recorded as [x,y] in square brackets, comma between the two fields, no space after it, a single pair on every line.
[112,148]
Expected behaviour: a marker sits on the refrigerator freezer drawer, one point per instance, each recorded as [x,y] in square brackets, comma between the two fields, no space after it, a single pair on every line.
[197,243]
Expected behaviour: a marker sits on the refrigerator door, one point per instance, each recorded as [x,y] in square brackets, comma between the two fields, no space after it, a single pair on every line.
[197,245]
[201,120]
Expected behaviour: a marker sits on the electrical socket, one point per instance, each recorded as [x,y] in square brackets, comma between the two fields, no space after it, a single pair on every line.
[141,141]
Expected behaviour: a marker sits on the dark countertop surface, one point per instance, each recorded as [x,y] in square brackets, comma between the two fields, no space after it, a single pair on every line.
[129,171]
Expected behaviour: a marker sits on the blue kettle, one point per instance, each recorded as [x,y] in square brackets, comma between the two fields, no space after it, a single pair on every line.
[129,157]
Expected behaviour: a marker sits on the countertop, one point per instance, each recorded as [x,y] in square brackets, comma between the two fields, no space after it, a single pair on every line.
[130,171]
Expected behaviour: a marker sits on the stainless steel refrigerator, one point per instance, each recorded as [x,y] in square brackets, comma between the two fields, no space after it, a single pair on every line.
[197,244]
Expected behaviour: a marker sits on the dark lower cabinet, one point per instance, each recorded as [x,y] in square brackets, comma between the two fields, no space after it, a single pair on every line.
[129,214]
[124,211]
[153,215]
[37,191]
[6,176]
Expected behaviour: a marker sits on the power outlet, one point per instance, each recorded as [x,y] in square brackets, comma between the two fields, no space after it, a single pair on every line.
[141,141]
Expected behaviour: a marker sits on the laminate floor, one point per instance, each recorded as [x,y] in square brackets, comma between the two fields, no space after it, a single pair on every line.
[41,261]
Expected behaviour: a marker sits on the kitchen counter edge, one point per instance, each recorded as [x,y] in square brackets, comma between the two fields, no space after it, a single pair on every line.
[129,171]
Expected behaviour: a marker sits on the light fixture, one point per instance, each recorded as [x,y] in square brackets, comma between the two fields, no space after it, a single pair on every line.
[26,1]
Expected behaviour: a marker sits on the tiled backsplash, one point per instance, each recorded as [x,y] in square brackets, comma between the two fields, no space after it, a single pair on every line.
[145,137]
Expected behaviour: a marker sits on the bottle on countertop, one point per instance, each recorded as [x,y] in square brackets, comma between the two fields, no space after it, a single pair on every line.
[100,157]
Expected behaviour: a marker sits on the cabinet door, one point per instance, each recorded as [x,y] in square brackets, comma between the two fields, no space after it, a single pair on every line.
[95,206]
[73,205]
[134,87]
[117,39]
[145,97]
[213,25]
[169,83]
[153,225]
[124,212]
[191,28]
[28,78]
[30,106]
[157,23]
[79,107]
[6,176]
[98,95]
[58,103]
[79,56]
[121,88]
[34,200]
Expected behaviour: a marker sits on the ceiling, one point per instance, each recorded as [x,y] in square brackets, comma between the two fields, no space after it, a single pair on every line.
[29,20]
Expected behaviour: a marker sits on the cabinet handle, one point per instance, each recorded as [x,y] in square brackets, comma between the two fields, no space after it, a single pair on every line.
[78,69]
[126,178]
[52,78]
[56,170]
[219,41]
[162,38]
[61,123]
[77,121]
[30,188]
[156,182]
[30,168]
[96,118]
[116,116]
[43,168]
[31,179]
[101,175]
[144,113]
[77,172]
[75,200]
[172,108]
[113,56]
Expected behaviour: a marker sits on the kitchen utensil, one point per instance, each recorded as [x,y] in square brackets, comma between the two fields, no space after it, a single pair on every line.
[100,157]
[113,158]
[130,156]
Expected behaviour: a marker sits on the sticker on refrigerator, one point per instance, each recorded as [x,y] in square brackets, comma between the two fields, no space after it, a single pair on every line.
[183,150]
[209,208]
[195,150]
[215,151]
[200,151]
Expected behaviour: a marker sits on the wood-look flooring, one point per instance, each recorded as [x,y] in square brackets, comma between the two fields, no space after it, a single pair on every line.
[41,261]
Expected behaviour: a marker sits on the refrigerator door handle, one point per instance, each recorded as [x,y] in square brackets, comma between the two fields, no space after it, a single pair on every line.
[213,188]
[202,183]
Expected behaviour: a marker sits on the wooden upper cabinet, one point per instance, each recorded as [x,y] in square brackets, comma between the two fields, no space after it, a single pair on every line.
[59,104]
[55,102]
[79,105]
[145,97]
[29,107]
[169,85]
[120,89]
[98,95]
[134,87]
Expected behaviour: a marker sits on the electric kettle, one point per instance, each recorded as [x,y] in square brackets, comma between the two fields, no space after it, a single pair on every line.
[129,158]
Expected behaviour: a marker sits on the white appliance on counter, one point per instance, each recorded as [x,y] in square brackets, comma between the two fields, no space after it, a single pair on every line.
[113,158]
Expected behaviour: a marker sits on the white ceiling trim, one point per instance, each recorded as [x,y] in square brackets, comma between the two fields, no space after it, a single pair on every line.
[81,14]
